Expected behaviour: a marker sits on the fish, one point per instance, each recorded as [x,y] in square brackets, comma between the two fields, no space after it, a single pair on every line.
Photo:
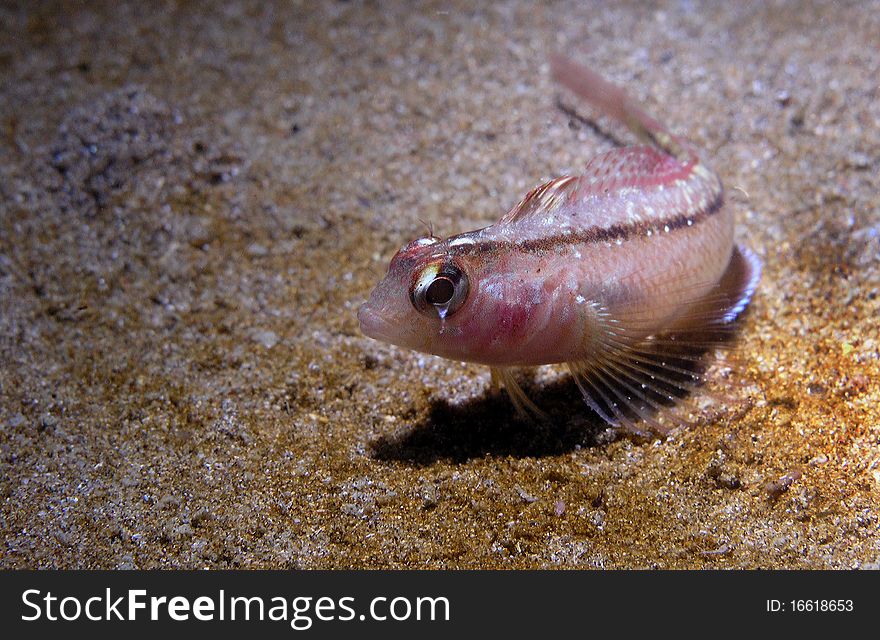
[627,273]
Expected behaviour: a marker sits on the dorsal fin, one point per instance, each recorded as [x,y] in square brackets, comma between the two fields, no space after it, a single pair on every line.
[639,166]
[613,101]
[542,200]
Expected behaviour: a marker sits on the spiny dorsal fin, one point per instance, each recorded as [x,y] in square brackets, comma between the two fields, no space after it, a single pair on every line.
[542,200]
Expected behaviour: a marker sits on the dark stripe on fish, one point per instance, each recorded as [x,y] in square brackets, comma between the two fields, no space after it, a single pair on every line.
[594,235]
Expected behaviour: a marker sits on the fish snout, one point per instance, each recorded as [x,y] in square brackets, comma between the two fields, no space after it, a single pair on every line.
[373,324]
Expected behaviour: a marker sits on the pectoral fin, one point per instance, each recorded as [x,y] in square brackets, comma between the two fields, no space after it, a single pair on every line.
[627,381]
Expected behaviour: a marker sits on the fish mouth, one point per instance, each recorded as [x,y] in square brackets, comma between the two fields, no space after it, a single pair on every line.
[373,324]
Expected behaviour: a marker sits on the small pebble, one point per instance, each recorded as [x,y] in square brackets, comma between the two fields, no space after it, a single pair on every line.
[266,338]
[17,420]
[257,250]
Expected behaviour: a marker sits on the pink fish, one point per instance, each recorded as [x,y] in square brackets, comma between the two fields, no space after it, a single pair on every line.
[626,273]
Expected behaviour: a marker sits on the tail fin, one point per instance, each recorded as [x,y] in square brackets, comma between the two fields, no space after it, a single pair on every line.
[614,102]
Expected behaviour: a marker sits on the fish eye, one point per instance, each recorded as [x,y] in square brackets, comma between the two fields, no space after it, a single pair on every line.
[439,290]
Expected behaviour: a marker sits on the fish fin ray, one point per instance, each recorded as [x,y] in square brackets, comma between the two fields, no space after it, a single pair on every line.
[582,381]
[542,200]
[592,395]
[521,401]
[631,399]
[627,415]
[601,397]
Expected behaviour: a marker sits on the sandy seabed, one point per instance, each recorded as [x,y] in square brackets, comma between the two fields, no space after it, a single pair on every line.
[195,201]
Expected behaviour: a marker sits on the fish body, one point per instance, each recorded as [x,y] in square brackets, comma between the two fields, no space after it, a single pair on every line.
[616,271]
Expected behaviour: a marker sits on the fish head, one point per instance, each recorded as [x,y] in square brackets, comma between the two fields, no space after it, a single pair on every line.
[422,301]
